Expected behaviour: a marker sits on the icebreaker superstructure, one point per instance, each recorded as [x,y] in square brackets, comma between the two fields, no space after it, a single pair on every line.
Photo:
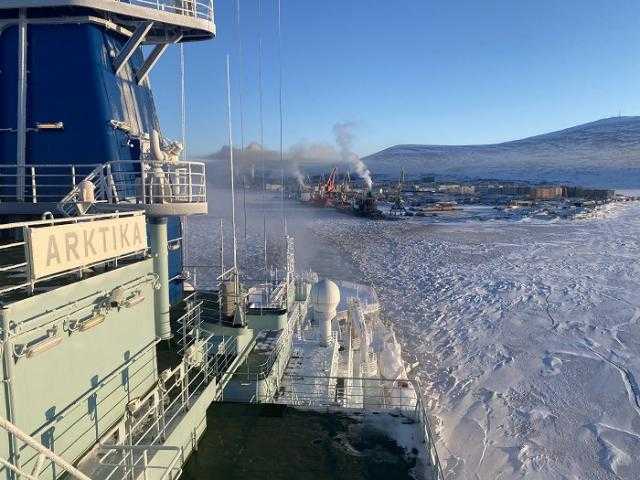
[111,350]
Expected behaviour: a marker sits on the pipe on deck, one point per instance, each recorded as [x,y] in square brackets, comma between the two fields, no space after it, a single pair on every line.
[160,254]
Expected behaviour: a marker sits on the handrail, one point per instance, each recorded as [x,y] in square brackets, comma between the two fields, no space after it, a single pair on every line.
[201,9]
[428,437]
[276,294]
[189,322]
[43,182]
[43,451]
[140,182]
[367,394]
[144,449]
[145,182]
[161,407]
[65,220]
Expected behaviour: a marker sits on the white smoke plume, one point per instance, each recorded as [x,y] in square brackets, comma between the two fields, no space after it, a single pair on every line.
[300,153]
[343,132]
[297,174]
[301,156]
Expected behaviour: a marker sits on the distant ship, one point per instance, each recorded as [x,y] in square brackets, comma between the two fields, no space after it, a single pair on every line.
[112,354]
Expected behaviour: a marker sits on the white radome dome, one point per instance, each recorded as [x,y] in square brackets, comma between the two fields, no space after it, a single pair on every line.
[325,295]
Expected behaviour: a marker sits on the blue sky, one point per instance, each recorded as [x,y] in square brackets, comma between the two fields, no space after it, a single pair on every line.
[427,71]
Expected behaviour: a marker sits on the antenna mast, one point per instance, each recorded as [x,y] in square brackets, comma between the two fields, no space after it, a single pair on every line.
[241,76]
[280,104]
[233,193]
[183,133]
[240,98]
[261,137]
[221,248]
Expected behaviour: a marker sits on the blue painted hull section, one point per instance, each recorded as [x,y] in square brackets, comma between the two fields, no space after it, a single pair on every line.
[71,80]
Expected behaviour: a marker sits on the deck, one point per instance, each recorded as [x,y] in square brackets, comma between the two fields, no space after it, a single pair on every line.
[282,443]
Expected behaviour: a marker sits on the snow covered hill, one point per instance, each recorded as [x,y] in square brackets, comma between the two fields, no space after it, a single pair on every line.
[604,153]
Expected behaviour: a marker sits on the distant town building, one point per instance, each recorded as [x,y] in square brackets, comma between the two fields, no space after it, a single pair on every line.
[521,203]
[456,188]
[546,193]
[449,188]
[589,193]
[508,189]
[424,188]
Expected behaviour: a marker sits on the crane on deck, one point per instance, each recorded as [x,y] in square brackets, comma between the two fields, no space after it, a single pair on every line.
[326,188]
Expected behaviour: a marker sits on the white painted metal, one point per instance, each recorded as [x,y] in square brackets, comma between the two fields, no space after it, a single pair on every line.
[183,139]
[131,46]
[206,365]
[160,188]
[197,15]
[21,141]
[325,297]
[37,446]
[75,20]
[152,59]
[233,193]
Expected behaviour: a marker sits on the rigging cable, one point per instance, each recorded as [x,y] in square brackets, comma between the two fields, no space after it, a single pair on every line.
[261,138]
[183,103]
[241,104]
[280,105]
[183,134]
[233,195]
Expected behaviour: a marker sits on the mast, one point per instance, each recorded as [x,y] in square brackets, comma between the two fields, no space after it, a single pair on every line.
[233,193]
[21,141]
[261,137]
[241,101]
[183,134]
[280,107]
[288,246]
[221,248]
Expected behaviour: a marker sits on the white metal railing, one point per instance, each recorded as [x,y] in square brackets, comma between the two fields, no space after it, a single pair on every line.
[267,374]
[427,435]
[201,9]
[139,461]
[124,451]
[365,394]
[15,266]
[129,448]
[145,182]
[188,324]
[268,296]
[44,456]
[221,350]
[42,183]
[142,182]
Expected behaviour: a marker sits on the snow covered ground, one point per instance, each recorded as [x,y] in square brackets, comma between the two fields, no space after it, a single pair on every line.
[527,333]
